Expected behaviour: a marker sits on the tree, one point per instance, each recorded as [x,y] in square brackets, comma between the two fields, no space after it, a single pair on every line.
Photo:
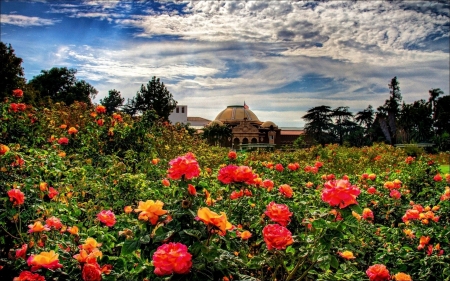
[216,134]
[342,123]
[365,118]
[415,122]
[61,85]
[153,96]
[113,101]
[387,114]
[11,71]
[318,124]
[434,94]
[442,121]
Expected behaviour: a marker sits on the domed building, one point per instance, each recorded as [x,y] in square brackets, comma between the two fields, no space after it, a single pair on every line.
[246,128]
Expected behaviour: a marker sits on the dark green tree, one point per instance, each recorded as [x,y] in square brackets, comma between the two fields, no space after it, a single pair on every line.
[113,101]
[388,113]
[415,122]
[365,117]
[442,121]
[61,85]
[11,71]
[153,96]
[319,124]
[434,94]
[216,134]
[342,122]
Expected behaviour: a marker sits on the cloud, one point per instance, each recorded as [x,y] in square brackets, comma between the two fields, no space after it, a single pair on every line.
[25,21]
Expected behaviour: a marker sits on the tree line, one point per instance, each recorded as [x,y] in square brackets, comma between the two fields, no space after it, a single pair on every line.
[60,84]
[393,122]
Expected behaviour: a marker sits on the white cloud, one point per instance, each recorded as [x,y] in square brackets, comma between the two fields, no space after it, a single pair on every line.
[25,21]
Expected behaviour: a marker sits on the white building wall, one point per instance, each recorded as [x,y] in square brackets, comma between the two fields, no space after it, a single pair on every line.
[179,115]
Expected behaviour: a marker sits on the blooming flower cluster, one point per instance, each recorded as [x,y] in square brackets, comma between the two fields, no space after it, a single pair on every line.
[278,213]
[172,258]
[186,166]
[150,210]
[420,213]
[340,193]
[216,223]
[236,174]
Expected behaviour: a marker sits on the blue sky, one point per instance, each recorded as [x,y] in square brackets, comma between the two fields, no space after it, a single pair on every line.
[280,57]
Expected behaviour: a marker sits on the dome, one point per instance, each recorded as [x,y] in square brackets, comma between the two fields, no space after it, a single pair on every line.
[215,122]
[237,113]
[267,124]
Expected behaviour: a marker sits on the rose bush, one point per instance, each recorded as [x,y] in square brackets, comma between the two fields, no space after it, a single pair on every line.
[99,205]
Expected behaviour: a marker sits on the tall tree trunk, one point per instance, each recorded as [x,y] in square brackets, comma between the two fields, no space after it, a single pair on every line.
[392,126]
[385,129]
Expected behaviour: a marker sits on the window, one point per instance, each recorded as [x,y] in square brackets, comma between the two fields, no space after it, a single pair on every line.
[178,109]
[182,109]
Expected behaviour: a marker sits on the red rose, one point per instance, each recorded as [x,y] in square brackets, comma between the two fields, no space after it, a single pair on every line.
[277,237]
[278,213]
[186,166]
[340,192]
[172,258]
[91,272]
[378,272]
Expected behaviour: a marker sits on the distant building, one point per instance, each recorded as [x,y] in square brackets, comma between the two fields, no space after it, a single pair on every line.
[179,115]
[245,126]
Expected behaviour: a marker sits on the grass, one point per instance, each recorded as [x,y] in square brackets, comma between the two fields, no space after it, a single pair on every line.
[445,169]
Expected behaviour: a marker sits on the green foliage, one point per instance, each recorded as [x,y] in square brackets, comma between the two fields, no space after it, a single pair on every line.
[113,101]
[60,85]
[11,71]
[154,96]
[117,161]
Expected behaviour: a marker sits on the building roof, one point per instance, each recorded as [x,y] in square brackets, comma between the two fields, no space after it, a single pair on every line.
[267,124]
[237,113]
[291,132]
[197,119]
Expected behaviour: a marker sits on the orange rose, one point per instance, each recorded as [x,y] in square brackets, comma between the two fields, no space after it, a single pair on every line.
[37,227]
[90,244]
[348,255]
[28,275]
[150,210]
[47,260]
[401,277]
[245,235]
[367,214]
[218,223]
[286,190]
[3,149]
[73,230]
[232,155]
[72,131]
[128,209]
[100,109]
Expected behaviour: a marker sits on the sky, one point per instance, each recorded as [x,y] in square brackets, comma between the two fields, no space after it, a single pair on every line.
[281,58]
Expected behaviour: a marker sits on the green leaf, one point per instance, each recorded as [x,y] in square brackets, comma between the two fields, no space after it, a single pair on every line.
[193,232]
[129,246]
[319,223]
[334,262]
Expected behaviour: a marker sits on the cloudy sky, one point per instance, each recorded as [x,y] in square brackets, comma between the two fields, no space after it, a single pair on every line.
[280,57]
